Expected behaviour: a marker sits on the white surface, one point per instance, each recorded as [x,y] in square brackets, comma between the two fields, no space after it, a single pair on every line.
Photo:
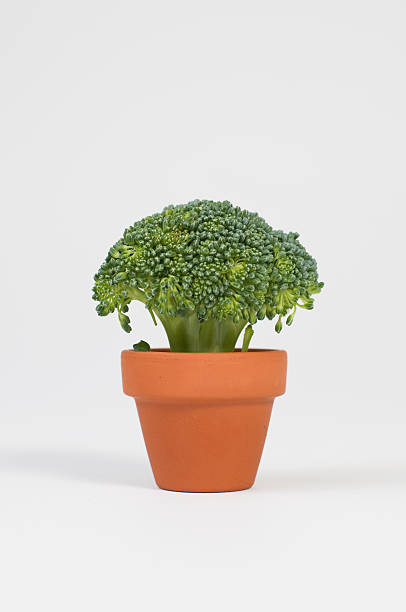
[109,111]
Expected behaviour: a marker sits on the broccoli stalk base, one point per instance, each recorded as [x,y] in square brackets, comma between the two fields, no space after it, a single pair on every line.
[186,334]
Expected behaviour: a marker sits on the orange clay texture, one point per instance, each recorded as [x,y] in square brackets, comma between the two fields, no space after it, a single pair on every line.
[204,416]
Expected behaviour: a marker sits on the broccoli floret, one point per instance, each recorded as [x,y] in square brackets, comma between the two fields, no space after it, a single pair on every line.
[206,270]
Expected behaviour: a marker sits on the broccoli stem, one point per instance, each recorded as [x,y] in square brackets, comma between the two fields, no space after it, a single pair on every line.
[249,332]
[137,294]
[186,334]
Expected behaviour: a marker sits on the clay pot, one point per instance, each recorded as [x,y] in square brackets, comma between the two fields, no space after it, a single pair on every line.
[204,416]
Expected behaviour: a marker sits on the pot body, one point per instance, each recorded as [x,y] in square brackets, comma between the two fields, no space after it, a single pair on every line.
[204,416]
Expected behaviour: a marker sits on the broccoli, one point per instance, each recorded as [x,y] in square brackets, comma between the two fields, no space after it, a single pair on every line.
[206,270]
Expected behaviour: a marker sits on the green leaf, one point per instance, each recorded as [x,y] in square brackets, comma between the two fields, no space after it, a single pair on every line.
[142,346]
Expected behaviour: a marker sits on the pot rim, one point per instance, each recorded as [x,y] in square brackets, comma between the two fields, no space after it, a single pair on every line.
[204,376]
[167,351]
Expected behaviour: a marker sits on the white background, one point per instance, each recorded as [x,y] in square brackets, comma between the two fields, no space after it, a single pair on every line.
[110,111]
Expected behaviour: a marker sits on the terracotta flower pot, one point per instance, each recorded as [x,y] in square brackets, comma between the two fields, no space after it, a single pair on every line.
[204,416]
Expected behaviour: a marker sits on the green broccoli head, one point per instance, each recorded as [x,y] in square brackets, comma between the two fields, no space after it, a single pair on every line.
[209,262]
